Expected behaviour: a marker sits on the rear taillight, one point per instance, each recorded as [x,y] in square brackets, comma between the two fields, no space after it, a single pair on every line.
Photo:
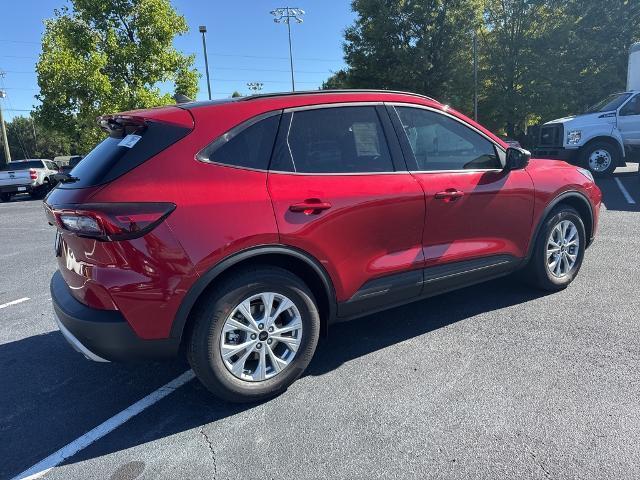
[111,221]
[33,174]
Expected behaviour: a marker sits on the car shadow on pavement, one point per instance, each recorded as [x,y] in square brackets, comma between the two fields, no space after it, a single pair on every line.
[53,395]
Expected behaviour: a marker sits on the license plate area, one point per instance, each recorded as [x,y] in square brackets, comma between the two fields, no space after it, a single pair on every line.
[22,189]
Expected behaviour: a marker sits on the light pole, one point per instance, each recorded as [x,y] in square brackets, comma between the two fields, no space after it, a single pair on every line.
[203,31]
[475,75]
[285,15]
[255,87]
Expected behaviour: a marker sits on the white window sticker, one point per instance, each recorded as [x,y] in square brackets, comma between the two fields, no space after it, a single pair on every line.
[366,138]
[129,141]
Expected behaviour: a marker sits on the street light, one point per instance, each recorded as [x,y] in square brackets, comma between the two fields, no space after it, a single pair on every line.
[203,31]
[285,15]
[255,87]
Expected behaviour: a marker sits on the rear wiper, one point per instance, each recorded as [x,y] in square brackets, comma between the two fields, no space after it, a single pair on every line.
[66,178]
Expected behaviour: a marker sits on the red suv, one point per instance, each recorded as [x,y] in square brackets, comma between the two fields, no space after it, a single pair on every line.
[239,230]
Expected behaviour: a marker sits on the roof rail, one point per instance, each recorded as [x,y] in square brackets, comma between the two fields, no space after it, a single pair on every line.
[333,91]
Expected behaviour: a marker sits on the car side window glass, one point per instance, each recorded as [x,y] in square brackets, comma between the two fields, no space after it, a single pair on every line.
[335,140]
[632,107]
[247,146]
[439,142]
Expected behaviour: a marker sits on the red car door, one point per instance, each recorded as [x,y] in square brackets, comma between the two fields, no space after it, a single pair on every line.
[476,212]
[341,193]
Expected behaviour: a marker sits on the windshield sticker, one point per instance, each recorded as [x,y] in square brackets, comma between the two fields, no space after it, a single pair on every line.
[129,141]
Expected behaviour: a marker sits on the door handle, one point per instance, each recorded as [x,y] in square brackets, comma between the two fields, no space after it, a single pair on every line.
[311,206]
[449,195]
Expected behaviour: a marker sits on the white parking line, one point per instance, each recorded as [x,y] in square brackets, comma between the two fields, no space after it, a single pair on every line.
[15,302]
[56,458]
[625,192]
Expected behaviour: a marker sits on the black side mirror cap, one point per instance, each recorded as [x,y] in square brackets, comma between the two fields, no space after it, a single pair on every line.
[517,158]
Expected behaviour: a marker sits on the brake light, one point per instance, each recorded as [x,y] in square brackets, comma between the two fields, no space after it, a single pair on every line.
[112,221]
[33,174]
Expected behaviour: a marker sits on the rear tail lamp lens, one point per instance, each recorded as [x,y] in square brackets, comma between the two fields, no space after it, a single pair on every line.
[33,174]
[112,221]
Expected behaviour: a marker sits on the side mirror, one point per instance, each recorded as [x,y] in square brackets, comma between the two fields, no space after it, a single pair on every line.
[517,158]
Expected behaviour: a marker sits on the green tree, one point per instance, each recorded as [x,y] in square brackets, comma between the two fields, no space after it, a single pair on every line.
[236,94]
[413,45]
[100,57]
[29,139]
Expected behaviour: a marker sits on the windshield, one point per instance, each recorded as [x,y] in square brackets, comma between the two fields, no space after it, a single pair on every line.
[13,166]
[612,102]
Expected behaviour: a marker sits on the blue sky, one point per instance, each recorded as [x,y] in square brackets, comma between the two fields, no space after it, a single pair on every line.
[244,45]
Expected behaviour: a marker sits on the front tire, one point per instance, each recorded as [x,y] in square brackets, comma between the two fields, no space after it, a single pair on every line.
[254,335]
[558,251]
[600,158]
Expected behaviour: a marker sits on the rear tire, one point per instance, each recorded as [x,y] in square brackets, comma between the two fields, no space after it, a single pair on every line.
[601,158]
[541,271]
[267,366]
[5,197]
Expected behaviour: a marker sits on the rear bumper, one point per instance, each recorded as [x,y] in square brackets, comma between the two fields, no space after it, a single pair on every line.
[103,335]
[16,188]
[570,156]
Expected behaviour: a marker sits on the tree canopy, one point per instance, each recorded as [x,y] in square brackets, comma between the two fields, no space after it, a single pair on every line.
[538,59]
[100,57]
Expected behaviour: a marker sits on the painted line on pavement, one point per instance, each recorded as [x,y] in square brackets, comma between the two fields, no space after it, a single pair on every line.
[42,467]
[625,192]
[15,302]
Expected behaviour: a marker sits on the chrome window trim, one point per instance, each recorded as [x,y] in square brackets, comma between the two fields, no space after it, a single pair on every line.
[318,106]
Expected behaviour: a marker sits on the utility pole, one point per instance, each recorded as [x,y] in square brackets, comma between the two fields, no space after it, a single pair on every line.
[475,75]
[285,15]
[203,31]
[5,140]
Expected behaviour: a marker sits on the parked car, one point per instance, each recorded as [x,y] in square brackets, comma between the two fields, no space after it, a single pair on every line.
[69,162]
[33,176]
[605,136]
[240,230]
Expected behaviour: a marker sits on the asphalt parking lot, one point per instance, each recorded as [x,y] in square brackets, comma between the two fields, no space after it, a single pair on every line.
[495,381]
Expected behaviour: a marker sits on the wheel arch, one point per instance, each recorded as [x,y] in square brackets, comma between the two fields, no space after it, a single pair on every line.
[573,199]
[296,261]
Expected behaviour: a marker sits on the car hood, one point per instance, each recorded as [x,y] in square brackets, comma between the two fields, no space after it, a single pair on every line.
[576,121]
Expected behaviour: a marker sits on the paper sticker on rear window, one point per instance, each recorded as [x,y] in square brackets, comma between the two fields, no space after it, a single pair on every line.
[129,141]
[366,138]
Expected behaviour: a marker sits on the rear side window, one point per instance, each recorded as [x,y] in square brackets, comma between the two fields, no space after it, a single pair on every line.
[114,157]
[334,140]
[249,145]
[16,166]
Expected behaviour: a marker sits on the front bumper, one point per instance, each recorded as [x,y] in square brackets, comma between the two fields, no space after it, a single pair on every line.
[560,153]
[103,335]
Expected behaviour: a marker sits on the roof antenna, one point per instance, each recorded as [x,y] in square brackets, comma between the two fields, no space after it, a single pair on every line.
[180,98]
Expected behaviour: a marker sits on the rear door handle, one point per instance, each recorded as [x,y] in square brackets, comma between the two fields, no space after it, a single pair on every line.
[311,206]
[449,195]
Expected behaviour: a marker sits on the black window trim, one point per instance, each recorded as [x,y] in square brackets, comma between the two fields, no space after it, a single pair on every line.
[205,153]
[391,137]
[412,163]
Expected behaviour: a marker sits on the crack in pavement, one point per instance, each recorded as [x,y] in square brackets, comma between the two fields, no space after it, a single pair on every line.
[211,451]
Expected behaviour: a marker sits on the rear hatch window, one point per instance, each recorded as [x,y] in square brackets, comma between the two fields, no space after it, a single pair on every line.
[16,166]
[131,142]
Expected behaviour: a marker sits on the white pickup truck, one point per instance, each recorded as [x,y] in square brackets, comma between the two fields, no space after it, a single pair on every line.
[605,136]
[35,177]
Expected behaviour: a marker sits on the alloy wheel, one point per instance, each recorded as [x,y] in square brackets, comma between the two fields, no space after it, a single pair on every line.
[563,247]
[261,336]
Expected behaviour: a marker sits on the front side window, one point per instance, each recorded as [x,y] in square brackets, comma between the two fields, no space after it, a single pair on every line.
[632,107]
[334,140]
[439,142]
